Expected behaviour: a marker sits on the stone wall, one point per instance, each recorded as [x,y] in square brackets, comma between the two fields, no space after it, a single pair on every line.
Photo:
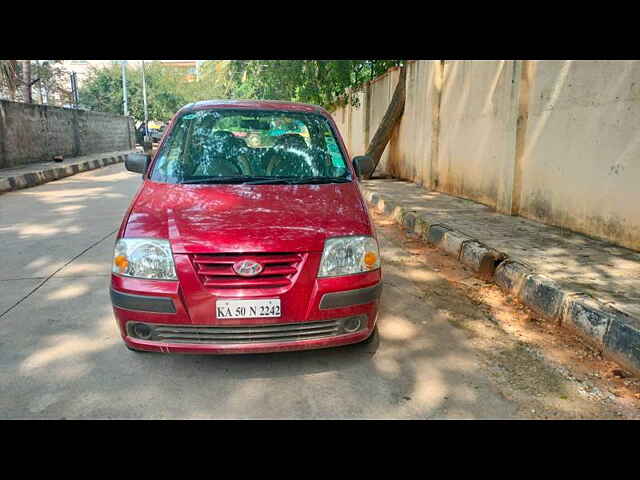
[35,133]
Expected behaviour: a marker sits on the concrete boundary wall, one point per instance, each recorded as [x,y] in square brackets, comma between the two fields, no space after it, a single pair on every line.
[31,133]
[554,141]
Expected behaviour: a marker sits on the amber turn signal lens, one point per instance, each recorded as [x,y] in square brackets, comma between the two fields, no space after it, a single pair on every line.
[370,259]
[121,262]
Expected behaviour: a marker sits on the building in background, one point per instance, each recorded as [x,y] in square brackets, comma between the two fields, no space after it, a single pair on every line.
[189,67]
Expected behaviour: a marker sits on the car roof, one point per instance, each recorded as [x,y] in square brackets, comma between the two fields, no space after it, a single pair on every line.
[257,105]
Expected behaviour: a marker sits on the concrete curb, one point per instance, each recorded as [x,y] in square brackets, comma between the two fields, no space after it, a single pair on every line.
[482,259]
[510,276]
[622,340]
[543,296]
[31,179]
[614,333]
[589,317]
[409,220]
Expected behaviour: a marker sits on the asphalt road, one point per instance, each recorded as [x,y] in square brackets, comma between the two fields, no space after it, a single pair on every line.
[61,355]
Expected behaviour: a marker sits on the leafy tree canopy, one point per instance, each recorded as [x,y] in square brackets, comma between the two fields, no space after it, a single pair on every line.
[102,91]
[48,76]
[321,82]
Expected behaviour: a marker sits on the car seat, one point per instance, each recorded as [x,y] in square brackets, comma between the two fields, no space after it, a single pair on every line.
[291,156]
[217,154]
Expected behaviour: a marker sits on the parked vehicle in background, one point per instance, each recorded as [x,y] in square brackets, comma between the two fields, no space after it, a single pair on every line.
[235,248]
[140,133]
[156,133]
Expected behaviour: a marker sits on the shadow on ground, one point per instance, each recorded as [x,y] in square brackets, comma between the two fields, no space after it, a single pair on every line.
[61,355]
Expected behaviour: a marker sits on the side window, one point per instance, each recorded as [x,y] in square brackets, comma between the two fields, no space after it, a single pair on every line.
[337,160]
[169,166]
[334,150]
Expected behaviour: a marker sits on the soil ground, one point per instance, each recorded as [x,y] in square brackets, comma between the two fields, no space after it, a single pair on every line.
[544,368]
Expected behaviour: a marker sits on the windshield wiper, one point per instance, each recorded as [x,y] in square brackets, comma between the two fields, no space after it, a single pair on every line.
[269,181]
[219,179]
[306,180]
[297,180]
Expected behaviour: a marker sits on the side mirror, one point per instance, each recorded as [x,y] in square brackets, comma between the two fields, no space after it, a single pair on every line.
[363,165]
[137,162]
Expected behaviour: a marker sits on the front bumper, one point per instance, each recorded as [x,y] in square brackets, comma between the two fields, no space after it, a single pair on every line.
[165,307]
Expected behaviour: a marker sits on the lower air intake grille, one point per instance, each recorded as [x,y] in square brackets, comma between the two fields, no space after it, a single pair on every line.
[234,334]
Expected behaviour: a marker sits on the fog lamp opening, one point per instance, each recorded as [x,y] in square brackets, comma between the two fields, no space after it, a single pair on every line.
[351,324]
[142,331]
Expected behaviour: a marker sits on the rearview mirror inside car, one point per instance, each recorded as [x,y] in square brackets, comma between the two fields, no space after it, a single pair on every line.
[137,162]
[363,165]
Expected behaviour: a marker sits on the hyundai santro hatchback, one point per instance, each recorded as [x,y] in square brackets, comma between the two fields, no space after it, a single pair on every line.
[248,234]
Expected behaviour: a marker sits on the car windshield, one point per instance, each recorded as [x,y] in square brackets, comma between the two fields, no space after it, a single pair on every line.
[250,146]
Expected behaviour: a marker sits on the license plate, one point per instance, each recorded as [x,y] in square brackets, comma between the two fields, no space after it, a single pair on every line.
[248,308]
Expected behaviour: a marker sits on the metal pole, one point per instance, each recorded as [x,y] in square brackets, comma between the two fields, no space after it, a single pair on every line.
[73,95]
[75,86]
[144,99]
[124,88]
[147,140]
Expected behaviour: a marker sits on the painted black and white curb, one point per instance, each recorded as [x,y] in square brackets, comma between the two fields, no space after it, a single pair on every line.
[614,333]
[56,172]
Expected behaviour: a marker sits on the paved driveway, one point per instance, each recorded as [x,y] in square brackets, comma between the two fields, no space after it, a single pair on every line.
[61,355]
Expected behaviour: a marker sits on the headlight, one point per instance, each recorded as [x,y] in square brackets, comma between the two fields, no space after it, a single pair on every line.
[349,255]
[144,258]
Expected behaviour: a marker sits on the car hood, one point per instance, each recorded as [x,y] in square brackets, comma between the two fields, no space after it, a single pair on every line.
[247,218]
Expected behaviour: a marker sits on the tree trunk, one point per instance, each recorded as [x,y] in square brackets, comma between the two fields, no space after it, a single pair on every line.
[26,81]
[389,121]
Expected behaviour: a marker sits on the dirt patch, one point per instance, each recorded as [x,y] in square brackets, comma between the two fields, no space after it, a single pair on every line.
[550,372]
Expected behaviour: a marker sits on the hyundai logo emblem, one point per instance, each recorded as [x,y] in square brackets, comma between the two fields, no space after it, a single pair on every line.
[247,268]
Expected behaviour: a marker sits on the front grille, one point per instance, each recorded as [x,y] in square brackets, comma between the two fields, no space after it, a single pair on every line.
[251,334]
[216,270]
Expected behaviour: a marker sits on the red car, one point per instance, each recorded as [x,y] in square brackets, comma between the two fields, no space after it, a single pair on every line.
[231,248]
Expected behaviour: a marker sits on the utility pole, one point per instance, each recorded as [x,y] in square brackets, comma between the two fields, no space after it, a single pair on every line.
[147,140]
[124,87]
[75,84]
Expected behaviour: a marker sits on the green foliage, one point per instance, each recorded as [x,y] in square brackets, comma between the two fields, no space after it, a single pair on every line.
[50,75]
[103,91]
[209,84]
[168,89]
[9,75]
[53,80]
[321,82]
